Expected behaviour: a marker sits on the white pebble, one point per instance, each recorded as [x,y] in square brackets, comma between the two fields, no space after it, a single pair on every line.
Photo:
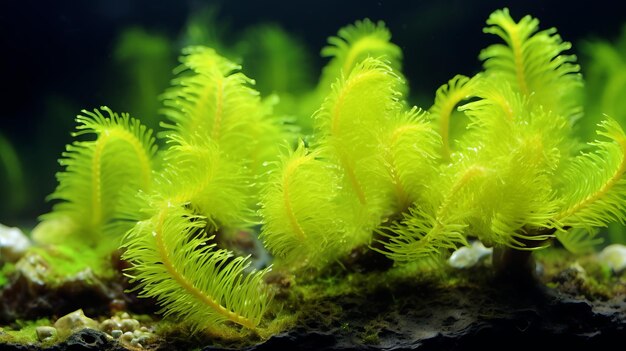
[45,333]
[13,243]
[467,257]
[614,256]
[126,337]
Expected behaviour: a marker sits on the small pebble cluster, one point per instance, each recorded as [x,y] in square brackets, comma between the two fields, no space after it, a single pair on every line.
[128,331]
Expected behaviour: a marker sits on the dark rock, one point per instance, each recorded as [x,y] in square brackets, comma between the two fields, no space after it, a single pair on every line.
[16,347]
[29,296]
[465,318]
[87,339]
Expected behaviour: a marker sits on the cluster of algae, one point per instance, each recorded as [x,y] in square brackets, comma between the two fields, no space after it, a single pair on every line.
[327,172]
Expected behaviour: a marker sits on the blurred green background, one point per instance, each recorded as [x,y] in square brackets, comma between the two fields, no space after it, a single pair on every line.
[60,57]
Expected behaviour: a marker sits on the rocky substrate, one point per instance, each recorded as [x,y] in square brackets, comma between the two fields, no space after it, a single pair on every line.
[467,318]
[464,318]
[461,309]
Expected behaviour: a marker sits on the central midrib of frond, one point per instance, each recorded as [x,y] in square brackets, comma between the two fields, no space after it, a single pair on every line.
[591,198]
[197,113]
[188,286]
[96,166]
[334,131]
[206,177]
[444,118]
[293,220]
[401,193]
[442,212]
[356,185]
[504,105]
[219,109]
[469,174]
[518,56]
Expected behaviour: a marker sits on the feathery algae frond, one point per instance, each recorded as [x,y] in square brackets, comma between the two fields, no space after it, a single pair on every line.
[353,44]
[213,107]
[351,121]
[447,97]
[219,141]
[212,183]
[521,144]
[211,99]
[579,240]
[411,154]
[421,236]
[103,173]
[601,197]
[430,229]
[174,262]
[533,63]
[303,218]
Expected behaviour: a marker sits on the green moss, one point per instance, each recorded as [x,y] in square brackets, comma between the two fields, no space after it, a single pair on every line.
[579,275]
[23,332]
[371,332]
[67,261]
[5,271]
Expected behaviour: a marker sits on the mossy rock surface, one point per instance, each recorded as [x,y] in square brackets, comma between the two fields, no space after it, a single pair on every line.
[573,305]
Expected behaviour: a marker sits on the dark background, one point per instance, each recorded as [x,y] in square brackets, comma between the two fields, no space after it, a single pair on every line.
[54,54]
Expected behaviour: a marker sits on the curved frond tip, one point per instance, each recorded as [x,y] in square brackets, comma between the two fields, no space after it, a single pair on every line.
[174,262]
[534,63]
[353,44]
[594,192]
[104,174]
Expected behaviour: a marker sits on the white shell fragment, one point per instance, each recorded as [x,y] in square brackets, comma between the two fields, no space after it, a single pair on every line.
[467,257]
[614,256]
[13,243]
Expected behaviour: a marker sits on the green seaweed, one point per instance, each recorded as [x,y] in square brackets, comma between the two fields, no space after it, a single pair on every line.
[366,172]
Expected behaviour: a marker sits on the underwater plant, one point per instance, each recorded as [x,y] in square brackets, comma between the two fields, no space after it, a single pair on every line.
[605,84]
[96,192]
[12,176]
[374,172]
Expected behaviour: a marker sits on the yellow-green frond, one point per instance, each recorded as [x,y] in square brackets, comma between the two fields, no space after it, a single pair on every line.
[411,156]
[605,85]
[533,63]
[360,102]
[421,236]
[523,147]
[579,240]
[102,174]
[594,185]
[303,221]
[353,119]
[353,44]
[432,228]
[503,120]
[214,185]
[211,99]
[447,97]
[175,263]
[514,204]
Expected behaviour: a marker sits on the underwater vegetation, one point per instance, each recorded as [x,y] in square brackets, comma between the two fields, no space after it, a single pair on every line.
[344,168]
[605,64]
